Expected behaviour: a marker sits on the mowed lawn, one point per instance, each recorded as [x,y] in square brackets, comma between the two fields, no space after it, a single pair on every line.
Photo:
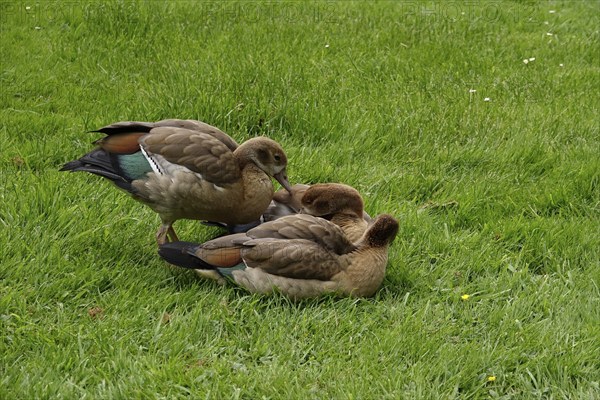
[476,124]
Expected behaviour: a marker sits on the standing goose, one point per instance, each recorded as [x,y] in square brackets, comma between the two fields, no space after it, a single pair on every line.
[300,256]
[185,169]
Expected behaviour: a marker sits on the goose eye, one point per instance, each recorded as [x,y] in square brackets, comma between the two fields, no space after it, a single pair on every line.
[277,157]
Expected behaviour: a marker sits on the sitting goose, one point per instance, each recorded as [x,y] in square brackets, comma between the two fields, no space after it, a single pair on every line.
[300,256]
[341,204]
[187,169]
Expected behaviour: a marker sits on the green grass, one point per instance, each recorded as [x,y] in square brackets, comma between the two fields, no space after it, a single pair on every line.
[497,199]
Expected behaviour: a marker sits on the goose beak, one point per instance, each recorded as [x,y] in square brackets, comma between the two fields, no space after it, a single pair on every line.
[282,178]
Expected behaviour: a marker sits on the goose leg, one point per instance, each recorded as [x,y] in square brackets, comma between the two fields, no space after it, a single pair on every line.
[162,234]
[171,234]
[166,233]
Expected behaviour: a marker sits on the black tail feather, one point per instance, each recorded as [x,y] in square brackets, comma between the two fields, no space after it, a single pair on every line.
[181,255]
[126,127]
[99,162]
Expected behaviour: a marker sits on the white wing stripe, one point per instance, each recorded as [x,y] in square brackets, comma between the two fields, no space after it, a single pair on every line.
[151,161]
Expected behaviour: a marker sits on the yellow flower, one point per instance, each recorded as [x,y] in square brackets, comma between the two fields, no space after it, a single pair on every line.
[491,378]
[465,296]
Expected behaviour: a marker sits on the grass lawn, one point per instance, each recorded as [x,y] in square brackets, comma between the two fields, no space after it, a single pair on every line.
[490,163]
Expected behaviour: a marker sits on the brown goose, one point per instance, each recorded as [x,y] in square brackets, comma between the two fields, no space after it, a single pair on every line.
[339,203]
[300,256]
[185,169]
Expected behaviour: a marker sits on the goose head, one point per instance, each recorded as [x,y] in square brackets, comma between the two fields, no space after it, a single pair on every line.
[268,155]
[326,199]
